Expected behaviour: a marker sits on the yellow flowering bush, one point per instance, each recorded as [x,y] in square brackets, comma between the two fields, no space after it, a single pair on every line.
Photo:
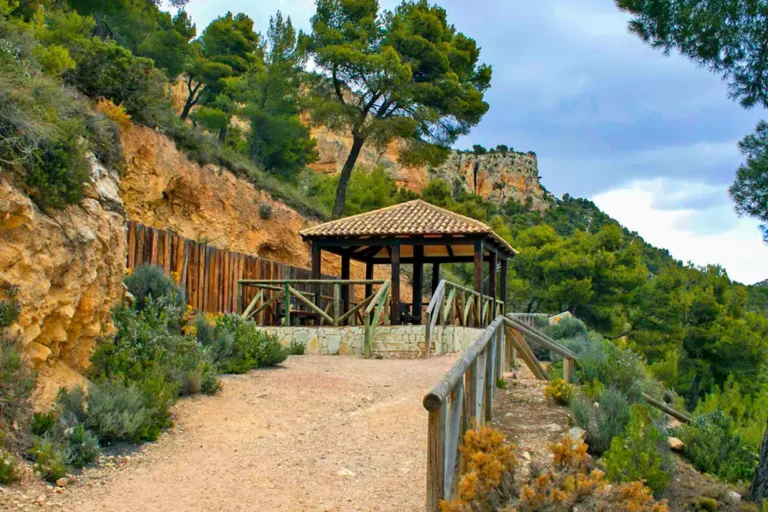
[559,391]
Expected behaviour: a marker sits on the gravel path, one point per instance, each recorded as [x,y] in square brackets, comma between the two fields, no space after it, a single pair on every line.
[320,434]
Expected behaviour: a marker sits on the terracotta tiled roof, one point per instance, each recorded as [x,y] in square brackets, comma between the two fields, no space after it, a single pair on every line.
[412,218]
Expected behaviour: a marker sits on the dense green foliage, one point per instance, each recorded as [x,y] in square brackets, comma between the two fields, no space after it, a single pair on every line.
[235,345]
[640,453]
[148,282]
[750,189]
[17,382]
[367,190]
[406,73]
[714,446]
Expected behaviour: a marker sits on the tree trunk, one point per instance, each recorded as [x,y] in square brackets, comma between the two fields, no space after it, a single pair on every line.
[346,174]
[760,484]
[187,108]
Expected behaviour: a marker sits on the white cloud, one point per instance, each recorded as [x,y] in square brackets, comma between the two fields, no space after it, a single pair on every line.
[687,233]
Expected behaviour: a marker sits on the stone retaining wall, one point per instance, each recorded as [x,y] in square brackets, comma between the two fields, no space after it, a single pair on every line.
[389,341]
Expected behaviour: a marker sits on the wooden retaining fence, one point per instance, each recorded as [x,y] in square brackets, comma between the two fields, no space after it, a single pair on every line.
[207,275]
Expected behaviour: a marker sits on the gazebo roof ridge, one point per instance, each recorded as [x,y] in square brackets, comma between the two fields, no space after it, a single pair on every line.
[416,217]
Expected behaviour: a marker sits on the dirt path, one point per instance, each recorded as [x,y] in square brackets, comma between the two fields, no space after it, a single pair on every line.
[322,433]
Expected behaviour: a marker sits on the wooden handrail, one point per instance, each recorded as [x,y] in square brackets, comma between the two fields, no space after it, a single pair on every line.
[540,337]
[437,395]
[274,282]
[485,308]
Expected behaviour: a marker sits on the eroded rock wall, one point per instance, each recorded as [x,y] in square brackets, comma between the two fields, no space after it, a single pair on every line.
[68,266]
[162,188]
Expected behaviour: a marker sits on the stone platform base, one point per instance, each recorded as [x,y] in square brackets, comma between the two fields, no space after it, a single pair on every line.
[389,341]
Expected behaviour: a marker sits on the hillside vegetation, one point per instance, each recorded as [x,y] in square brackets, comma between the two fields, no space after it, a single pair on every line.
[73,72]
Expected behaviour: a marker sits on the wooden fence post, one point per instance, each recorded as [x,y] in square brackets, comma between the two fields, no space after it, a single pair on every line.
[435,458]
[287,305]
[490,377]
[336,303]
[567,370]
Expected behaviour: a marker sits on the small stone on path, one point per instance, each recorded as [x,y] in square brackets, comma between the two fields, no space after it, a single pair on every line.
[345,472]
[577,434]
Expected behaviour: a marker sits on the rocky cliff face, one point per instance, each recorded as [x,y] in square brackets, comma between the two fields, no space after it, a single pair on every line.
[494,176]
[68,267]
[163,189]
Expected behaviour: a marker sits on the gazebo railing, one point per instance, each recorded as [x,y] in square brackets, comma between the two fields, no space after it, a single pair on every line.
[453,304]
[286,304]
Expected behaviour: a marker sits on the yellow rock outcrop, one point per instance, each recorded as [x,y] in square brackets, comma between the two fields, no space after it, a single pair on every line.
[68,266]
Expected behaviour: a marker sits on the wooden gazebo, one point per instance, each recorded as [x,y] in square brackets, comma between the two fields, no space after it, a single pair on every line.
[415,233]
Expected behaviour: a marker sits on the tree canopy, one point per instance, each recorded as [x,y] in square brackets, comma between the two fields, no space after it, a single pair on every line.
[728,38]
[405,73]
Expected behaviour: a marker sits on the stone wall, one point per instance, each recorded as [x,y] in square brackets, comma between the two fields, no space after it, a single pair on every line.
[389,341]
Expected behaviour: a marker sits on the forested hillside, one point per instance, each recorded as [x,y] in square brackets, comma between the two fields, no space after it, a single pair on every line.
[72,72]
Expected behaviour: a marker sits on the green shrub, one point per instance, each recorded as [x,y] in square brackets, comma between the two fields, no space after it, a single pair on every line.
[17,381]
[42,423]
[10,307]
[9,472]
[603,422]
[237,345]
[297,348]
[46,128]
[150,281]
[640,453]
[713,446]
[83,447]
[106,69]
[116,412]
[58,170]
[566,328]
[70,407]
[148,345]
[265,211]
[49,459]
[600,359]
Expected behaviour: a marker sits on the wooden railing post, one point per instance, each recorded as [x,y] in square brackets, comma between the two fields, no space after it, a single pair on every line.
[471,383]
[287,305]
[453,440]
[490,377]
[239,306]
[567,370]
[436,458]
[336,303]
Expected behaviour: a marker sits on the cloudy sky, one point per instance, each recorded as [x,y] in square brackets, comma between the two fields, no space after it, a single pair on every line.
[651,139]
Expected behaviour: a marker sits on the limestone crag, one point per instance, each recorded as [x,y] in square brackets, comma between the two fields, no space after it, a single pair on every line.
[495,176]
[68,266]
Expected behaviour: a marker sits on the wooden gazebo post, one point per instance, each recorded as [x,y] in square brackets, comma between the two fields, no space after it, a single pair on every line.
[479,266]
[435,276]
[418,279]
[503,294]
[394,310]
[492,274]
[345,287]
[317,261]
